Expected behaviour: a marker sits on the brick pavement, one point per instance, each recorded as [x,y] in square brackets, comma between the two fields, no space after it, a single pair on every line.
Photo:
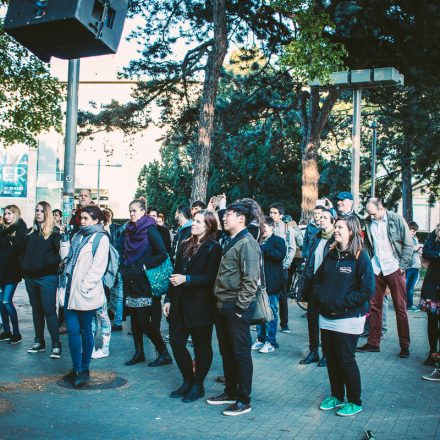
[397,403]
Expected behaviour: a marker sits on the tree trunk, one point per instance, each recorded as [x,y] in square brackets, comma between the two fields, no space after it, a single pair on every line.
[407,202]
[207,108]
[313,119]
[310,179]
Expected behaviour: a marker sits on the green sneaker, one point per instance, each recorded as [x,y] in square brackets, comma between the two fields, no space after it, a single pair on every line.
[349,409]
[330,403]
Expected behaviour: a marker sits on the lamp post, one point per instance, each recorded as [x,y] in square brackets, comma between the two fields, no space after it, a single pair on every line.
[373,158]
[99,165]
[358,80]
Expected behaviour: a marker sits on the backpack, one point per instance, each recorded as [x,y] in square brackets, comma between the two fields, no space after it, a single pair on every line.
[109,278]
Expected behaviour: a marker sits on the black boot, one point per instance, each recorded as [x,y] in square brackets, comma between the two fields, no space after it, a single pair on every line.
[182,390]
[195,393]
[322,362]
[80,379]
[139,355]
[164,358]
[313,356]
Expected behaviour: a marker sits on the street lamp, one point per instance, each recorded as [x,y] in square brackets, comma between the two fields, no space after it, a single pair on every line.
[373,158]
[116,165]
[358,80]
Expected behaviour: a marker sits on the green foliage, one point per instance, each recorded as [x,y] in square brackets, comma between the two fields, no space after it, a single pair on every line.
[254,151]
[311,54]
[30,99]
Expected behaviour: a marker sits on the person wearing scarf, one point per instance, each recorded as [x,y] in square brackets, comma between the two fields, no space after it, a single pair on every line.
[318,252]
[142,248]
[81,289]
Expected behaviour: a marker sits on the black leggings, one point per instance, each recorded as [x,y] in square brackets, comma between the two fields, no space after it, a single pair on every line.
[343,372]
[433,331]
[201,338]
[141,321]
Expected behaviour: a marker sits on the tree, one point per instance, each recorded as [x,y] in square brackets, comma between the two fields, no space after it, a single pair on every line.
[207,28]
[374,33]
[30,99]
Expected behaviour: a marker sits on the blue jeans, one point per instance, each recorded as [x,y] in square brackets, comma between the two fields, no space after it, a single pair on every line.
[117,300]
[7,309]
[81,342]
[42,293]
[412,276]
[268,332]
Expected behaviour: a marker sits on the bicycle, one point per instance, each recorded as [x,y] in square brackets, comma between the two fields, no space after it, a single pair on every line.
[296,288]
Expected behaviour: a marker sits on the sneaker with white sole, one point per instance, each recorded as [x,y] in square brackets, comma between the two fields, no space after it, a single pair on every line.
[257,345]
[434,376]
[330,403]
[237,409]
[267,348]
[221,399]
[36,348]
[56,353]
[100,353]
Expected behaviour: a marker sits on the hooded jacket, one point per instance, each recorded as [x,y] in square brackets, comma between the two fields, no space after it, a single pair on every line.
[11,245]
[345,285]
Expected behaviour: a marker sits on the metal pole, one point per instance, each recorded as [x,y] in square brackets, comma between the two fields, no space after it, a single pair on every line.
[70,140]
[356,147]
[99,179]
[373,159]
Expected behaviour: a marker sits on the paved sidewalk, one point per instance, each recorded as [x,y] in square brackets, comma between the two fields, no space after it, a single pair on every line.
[398,404]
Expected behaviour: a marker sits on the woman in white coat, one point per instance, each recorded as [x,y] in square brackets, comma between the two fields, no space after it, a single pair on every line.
[81,290]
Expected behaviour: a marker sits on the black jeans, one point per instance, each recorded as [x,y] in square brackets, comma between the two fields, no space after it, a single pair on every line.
[201,337]
[141,321]
[433,331]
[234,340]
[156,311]
[313,323]
[343,371]
[42,293]
[284,309]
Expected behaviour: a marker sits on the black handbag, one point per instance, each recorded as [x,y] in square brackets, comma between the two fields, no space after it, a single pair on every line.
[262,311]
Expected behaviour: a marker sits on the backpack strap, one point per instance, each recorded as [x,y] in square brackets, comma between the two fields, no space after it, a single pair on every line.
[97,240]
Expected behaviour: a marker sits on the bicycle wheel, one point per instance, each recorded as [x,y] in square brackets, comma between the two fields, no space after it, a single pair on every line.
[296,289]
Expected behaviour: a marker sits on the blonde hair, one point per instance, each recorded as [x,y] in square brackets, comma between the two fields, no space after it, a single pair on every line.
[15,210]
[49,224]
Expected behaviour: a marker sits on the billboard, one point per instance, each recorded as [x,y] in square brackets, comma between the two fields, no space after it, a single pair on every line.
[14,172]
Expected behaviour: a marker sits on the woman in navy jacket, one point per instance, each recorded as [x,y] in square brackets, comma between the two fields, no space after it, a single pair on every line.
[190,305]
[345,285]
[11,243]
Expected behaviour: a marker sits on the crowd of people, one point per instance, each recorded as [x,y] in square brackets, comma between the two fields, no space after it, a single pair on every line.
[208,273]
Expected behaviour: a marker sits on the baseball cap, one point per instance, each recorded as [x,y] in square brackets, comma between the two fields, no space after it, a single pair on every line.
[344,195]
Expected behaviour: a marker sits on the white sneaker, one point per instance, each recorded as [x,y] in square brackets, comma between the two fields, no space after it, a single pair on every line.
[257,345]
[267,348]
[100,353]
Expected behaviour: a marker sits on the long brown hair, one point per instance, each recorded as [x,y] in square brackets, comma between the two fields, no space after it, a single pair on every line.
[16,211]
[49,224]
[191,245]
[355,242]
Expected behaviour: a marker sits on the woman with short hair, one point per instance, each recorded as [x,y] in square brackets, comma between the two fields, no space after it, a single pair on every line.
[82,290]
[40,266]
[11,242]
[345,286]
[142,249]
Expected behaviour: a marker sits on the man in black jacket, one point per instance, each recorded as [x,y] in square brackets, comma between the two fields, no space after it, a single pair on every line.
[183,218]
[163,230]
[274,251]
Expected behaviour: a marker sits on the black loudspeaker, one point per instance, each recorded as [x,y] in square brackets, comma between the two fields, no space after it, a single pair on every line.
[67,29]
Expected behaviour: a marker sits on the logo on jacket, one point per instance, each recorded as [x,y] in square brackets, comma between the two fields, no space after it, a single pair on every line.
[345,269]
